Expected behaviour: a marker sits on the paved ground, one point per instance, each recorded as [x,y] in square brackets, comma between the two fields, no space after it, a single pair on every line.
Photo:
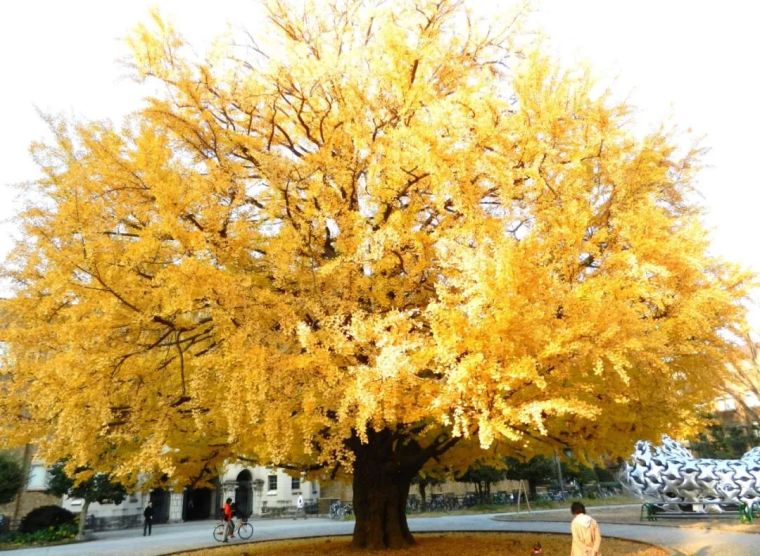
[187,536]
[630,514]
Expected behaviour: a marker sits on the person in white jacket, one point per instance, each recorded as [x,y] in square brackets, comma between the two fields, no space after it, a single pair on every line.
[587,539]
[300,509]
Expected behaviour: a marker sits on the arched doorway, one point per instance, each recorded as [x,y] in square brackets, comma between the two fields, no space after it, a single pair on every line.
[244,492]
[198,504]
[161,500]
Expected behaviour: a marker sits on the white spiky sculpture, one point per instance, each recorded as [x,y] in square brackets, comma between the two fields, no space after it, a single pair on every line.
[670,474]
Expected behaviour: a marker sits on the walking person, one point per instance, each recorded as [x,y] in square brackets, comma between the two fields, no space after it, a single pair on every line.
[587,539]
[300,507]
[148,521]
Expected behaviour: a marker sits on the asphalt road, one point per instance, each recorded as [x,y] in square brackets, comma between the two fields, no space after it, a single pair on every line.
[198,534]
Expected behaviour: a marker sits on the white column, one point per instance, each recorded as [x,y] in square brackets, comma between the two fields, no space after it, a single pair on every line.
[175,507]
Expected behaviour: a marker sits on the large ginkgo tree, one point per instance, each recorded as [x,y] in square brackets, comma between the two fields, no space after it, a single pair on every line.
[375,239]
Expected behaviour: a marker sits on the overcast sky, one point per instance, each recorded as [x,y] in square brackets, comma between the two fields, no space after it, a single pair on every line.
[693,63]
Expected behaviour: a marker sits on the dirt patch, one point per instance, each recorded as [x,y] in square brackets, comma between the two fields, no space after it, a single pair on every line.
[447,544]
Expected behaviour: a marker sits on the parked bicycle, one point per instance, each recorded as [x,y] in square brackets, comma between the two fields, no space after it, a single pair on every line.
[243,531]
[413,504]
[340,510]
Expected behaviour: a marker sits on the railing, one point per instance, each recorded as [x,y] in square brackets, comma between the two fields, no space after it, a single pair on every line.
[652,511]
[285,508]
[449,502]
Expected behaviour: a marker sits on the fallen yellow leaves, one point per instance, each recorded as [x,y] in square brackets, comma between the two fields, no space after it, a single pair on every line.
[450,544]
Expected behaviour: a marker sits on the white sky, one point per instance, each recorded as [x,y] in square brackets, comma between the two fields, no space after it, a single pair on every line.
[692,62]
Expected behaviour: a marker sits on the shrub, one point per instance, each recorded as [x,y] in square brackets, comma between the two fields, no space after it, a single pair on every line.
[44,517]
[42,536]
[11,477]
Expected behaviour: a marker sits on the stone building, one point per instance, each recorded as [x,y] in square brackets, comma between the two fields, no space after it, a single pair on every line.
[256,490]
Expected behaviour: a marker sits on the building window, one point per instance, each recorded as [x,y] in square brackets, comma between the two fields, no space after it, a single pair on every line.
[272,482]
[295,483]
[726,403]
[38,477]
[751,399]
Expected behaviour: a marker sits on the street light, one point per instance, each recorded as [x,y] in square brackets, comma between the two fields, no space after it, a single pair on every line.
[559,476]
[568,453]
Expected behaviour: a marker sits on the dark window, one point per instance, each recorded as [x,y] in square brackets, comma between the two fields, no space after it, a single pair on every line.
[295,483]
[272,480]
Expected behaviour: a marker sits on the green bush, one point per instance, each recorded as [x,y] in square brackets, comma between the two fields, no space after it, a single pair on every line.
[11,477]
[45,517]
[41,536]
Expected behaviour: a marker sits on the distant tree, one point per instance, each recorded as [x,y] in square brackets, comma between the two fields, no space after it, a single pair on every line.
[604,475]
[724,441]
[575,472]
[425,479]
[743,383]
[536,470]
[87,485]
[482,476]
[11,477]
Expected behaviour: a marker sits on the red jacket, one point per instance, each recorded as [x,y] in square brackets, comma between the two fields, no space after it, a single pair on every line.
[227,511]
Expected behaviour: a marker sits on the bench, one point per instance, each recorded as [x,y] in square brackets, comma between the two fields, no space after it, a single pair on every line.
[652,511]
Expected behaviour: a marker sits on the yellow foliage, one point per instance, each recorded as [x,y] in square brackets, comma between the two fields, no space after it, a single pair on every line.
[389,222]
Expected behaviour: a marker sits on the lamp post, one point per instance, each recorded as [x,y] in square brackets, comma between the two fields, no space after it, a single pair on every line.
[559,475]
[568,453]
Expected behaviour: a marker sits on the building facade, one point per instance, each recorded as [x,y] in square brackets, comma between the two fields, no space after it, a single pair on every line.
[33,494]
[257,491]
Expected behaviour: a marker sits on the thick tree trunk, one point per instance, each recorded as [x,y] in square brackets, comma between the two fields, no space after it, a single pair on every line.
[82,520]
[381,488]
[380,511]
[384,466]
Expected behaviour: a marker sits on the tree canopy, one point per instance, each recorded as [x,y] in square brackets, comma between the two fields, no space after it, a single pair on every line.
[85,484]
[743,384]
[382,239]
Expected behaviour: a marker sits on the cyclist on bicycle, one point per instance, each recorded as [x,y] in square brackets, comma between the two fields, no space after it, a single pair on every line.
[239,515]
[227,517]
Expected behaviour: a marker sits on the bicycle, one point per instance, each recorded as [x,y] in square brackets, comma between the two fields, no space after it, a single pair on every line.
[244,530]
[340,511]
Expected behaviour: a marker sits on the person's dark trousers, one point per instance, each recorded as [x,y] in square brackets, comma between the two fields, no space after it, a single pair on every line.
[147,527]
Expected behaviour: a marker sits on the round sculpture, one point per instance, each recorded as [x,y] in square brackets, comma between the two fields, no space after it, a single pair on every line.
[670,474]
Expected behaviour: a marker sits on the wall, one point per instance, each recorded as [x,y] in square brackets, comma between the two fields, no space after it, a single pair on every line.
[29,501]
[282,499]
[33,495]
